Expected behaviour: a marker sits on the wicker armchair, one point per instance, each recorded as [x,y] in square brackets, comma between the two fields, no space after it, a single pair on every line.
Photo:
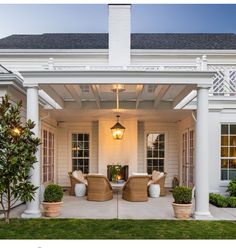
[99,188]
[161,182]
[135,189]
[73,182]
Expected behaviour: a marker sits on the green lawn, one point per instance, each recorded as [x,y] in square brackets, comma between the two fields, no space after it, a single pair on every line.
[116,229]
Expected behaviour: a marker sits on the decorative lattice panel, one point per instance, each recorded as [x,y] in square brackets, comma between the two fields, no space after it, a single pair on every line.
[224,81]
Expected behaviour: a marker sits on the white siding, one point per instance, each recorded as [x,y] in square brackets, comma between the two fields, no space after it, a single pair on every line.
[141,148]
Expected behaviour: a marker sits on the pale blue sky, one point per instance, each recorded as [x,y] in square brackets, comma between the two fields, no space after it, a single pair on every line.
[163,18]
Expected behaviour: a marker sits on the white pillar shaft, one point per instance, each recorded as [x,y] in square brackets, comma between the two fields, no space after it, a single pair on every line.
[33,208]
[201,172]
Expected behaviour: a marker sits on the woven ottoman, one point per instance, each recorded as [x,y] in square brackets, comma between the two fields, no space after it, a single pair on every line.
[154,190]
[80,189]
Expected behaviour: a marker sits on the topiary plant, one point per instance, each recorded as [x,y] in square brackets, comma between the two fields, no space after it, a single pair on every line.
[182,195]
[53,193]
[232,187]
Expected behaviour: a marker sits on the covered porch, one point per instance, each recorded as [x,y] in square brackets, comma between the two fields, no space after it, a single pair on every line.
[152,99]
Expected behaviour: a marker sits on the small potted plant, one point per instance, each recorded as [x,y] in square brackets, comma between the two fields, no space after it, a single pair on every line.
[182,204]
[53,195]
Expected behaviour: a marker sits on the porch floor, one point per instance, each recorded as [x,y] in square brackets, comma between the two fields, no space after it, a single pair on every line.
[117,208]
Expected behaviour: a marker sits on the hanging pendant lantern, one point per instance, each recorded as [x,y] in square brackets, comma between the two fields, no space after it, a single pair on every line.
[117,130]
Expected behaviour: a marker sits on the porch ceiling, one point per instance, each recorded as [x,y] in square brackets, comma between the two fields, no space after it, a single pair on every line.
[91,96]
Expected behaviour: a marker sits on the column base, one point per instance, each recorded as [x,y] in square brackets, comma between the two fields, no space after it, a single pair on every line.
[202,216]
[31,214]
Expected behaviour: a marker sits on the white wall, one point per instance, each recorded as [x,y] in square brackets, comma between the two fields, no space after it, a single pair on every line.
[123,151]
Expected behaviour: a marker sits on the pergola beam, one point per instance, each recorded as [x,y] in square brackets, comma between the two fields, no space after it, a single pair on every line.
[76,93]
[96,94]
[139,91]
[53,94]
[183,93]
[159,93]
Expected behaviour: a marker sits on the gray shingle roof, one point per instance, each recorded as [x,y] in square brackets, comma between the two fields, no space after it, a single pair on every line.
[138,41]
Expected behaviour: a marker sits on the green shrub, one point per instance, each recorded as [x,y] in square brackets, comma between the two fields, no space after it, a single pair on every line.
[53,193]
[232,202]
[182,195]
[232,187]
[219,200]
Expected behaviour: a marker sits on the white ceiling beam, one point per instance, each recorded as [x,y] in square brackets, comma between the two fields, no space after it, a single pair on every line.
[139,91]
[53,94]
[76,93]
[96,94]
[183,93]
[159,93]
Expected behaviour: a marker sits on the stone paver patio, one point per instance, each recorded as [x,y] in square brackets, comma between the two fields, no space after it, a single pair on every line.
[117,208]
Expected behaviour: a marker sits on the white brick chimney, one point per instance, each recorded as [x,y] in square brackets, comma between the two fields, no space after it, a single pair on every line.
[119,34]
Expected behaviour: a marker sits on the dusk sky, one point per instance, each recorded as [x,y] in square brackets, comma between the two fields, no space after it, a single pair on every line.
[155,18]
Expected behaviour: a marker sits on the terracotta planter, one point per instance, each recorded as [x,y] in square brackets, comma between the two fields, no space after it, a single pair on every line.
[182,211]
[52,209]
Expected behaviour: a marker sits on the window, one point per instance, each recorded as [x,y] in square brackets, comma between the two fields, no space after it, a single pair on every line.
[80,152]
[188,157]
[228,151]
[48,156]
[155,152]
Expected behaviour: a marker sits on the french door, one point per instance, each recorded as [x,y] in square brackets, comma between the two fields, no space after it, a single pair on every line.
[188,157]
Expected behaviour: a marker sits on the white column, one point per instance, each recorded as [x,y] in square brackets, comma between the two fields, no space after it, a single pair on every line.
[201,165]
[33,208]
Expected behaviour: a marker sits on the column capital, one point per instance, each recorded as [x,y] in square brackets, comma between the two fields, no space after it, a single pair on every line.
[204,86]
[29,86]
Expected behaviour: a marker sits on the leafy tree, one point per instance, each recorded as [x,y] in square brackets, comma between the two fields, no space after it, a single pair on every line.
[17,156]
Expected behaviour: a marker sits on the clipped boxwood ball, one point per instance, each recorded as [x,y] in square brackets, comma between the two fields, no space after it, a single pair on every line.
[53,193]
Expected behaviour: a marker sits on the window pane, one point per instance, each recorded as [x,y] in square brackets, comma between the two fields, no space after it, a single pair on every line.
[86,145]
[155,153]
[80,137]
[232,129]
[232,168]
[224,169]
[161,154]
[149,153]
[233,140]
[232,151]
[149,162]
[224,140]
[86,137]
[86,153]
[149,170]
[161,137]
[224,129]
[224,152]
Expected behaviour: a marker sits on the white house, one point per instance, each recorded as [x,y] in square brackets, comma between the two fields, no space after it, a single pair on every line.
[176,89]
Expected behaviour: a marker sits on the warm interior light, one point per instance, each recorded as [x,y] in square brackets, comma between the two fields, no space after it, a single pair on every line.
[117,130]
[16,131]
[118,177]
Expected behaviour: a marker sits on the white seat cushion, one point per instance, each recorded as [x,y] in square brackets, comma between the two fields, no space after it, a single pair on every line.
[156,175]
[79,175]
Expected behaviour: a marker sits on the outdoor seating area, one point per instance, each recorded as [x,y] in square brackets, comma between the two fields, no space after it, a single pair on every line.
[99,188]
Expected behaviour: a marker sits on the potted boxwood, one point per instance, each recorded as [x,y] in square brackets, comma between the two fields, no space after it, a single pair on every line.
[53,195]
[182,204]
